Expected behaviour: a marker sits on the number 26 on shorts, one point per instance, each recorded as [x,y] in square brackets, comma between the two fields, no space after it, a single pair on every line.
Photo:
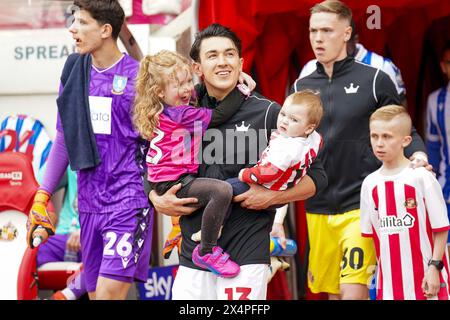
[123,247]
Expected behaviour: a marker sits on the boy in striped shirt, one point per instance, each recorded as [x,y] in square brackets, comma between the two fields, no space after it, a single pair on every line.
[403,209]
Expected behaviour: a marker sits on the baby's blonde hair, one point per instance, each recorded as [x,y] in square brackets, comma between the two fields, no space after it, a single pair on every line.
[389,112]
[154,72]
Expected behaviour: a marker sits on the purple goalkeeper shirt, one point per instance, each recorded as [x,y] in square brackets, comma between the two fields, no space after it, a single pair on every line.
[117,182]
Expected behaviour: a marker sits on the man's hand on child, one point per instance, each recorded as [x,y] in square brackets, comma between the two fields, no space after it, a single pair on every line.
[256,198]
[170,205]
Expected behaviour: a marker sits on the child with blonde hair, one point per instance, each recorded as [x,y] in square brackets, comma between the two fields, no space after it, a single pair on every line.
[162,115]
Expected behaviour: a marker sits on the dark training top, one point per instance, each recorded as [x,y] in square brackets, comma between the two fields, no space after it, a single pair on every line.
[349,98]
[245,235]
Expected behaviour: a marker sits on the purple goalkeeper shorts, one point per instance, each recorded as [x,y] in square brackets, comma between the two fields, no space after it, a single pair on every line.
[116,245]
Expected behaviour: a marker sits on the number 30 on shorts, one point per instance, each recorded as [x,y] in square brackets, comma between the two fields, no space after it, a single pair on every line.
[123,247]
[353,257]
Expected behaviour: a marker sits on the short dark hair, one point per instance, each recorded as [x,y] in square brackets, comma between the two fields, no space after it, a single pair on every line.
[213,30]
[104,12]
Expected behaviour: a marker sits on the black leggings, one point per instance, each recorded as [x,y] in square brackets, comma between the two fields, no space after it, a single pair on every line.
[215,196]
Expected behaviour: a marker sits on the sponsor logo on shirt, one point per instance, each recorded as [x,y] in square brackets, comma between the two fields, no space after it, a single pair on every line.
[100,108]
[393,224]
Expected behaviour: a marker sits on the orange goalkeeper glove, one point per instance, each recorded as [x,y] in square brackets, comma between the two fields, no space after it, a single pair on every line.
[173,239]
[39,217]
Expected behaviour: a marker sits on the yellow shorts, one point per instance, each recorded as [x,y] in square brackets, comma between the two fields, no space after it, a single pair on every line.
[338,253]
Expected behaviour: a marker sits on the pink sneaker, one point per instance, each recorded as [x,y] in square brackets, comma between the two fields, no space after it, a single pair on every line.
[217,262]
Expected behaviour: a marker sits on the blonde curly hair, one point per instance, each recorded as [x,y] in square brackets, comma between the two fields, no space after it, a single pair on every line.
[154,73]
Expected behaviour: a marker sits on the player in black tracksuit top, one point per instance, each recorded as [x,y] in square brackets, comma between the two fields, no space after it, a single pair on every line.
[347,154]
[349,97]
[234,145]
[245,235]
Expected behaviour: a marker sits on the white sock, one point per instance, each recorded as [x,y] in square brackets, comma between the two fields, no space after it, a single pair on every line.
[69,294]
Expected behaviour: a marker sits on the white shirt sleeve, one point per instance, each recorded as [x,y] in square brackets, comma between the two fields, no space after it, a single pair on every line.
[283,152]
[367,208]
[434,201]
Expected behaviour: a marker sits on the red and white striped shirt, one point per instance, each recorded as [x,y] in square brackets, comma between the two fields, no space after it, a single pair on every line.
[284,162]
[401,212]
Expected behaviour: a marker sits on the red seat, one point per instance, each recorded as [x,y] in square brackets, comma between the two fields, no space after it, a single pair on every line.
[17,188]
[54,275]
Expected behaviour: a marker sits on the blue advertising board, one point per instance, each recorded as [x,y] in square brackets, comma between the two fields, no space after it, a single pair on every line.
[159,284]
